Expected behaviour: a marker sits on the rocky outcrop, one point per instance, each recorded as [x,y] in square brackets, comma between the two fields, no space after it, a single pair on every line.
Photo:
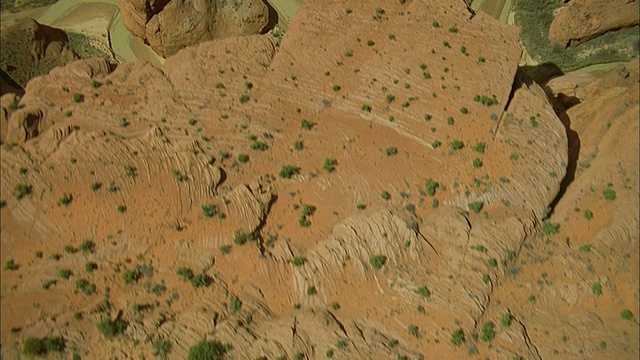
[582,20]
[168,26]
[31,49]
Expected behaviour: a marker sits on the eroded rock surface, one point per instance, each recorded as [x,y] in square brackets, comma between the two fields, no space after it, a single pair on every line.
[355,190]
[168,26]
[581,20]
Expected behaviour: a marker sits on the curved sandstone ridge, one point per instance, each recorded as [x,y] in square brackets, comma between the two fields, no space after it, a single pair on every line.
[168,26]
[181,168]
[582,20]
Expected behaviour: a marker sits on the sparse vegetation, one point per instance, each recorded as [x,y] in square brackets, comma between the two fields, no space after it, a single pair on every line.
[241,239]
[550,228]
[391,150]
[11,265]
[287,171]
[488,331]
[476,206]
[456,144]
[609,194]
[424,291]
[626,314]
[330,164]
[111,328]
[306,124]
[65,199]
[209,210]
[298,261]
[457,337]
[207,350]
[377,261]
[21,190]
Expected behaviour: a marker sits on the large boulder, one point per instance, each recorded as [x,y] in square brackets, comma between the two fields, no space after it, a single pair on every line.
[581,20]
[31,49]
[168,26]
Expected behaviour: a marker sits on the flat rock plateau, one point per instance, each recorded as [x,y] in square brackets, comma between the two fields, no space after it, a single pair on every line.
[383,183]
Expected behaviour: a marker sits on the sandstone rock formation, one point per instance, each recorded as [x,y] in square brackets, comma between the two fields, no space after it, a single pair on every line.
[409,222]
[582,20]
[29,49]
[168,26]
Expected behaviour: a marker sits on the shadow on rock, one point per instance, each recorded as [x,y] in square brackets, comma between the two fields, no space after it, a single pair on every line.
[541,74]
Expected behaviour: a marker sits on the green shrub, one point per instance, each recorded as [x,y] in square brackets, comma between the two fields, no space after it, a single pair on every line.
[130,171]
[200,280]
[243,158]
[479,147]
[329,164]
[185,274]
[131,276]
[336,87]
[308,210]
[436,144]
[413,330]
[54,344]
[596,288]
[550,228]
[457,144]
[392,150]
[588,214]
[626,314]
[21,190]
[477,163]
[87,246]
[64,273]
[366,108]
[111,328]
[488,331]
[306,124]
[209,210]
[240,239]
[11,265]
[33,346]
[244,98]
[311,290]
[609,194]
[377,261]
[476,206]
[385,195]
[298,261]
[505,320]
[207,350]
[235,304]
[431,187]
[161,348]
[78,98]
[288,171]
[298,145]
[90,267]
[457,337]
[424,291]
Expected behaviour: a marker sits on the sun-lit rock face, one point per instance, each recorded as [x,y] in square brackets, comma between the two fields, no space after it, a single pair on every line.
[170,25]
[374,186]
[581,20]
